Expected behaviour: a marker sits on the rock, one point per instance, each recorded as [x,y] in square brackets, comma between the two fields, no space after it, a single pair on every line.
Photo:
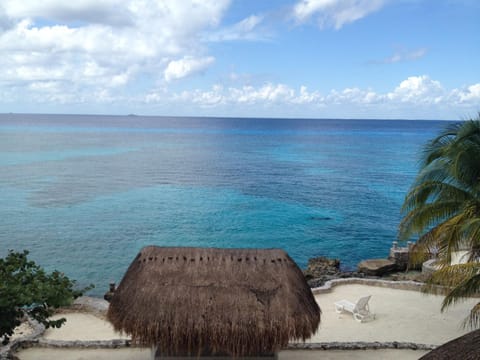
[322,269]
[320,281]
[321,266]
[90,304]
[377,267]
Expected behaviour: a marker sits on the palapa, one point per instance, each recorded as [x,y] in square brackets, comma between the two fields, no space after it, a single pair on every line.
[466,347]
[238,302]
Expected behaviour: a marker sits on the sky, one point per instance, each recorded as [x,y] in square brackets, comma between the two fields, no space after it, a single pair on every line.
[385,59]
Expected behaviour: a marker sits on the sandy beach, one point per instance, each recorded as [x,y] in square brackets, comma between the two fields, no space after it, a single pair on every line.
[400,316]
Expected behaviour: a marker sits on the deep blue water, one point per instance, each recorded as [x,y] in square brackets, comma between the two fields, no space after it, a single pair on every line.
[85,193]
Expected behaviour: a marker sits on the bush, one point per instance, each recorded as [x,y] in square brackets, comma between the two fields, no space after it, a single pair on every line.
[26,289]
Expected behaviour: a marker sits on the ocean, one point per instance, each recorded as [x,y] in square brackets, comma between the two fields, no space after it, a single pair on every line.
[85,193]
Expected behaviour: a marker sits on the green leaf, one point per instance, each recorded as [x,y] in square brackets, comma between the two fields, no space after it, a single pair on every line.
[25,288]
[443,208]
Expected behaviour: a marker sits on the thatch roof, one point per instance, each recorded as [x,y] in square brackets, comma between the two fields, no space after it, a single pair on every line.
[232,301]
[466,347]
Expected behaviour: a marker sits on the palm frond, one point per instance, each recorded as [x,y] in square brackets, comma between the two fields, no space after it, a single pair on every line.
[436,148]
[452,276]
[443,208]
[473,320]
[462,291]
[433,190]
[471,233]
[425,217]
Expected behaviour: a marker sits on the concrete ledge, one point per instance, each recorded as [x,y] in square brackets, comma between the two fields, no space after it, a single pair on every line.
[25,343]
[91,344]
[114,344]
[401,285]
[7,350]
[360,346]
[430,266]
[119,343]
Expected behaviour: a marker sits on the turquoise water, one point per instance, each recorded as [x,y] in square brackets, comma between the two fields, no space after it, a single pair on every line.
[85,193]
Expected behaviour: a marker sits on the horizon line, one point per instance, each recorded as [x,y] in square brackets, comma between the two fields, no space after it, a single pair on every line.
[225,117]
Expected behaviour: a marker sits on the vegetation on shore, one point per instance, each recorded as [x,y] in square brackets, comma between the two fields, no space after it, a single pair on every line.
[443,209]
[26,289]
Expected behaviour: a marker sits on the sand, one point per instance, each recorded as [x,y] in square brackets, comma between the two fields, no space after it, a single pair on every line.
[401,315]
[84,327]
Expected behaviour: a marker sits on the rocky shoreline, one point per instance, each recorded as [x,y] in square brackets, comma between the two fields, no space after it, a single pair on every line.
[396,268]
[322,269]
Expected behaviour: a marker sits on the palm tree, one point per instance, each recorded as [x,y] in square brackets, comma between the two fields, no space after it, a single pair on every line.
[443,209]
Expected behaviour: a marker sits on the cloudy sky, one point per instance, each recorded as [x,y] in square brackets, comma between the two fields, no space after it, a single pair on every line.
[412,59]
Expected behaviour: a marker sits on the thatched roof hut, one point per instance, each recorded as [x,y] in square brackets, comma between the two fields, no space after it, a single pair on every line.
[466,347]
[203,300]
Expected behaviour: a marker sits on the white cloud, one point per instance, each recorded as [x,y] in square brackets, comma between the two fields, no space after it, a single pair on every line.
[404,55]
[352,96]
[186,66]
[246,29]
[85,46]
[467,95]
[335,13]
[267,93]
[89,11]
[206,99]
[276,94]
[418,89]
[416,95]
[247,95]
[5,22]
[306,97]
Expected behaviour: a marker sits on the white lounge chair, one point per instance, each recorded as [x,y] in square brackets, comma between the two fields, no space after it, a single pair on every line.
[360,310]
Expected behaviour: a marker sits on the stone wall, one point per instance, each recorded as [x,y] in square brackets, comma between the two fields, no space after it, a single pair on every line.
[400,255]
[429,267]
[401,285]
[6,351]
